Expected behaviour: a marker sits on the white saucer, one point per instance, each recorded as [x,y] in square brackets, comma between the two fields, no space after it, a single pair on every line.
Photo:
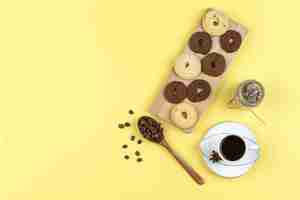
[229,128]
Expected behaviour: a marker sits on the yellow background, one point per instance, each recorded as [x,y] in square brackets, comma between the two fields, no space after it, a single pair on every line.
[71,69]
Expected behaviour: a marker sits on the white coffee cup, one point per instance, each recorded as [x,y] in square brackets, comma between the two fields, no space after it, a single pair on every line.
[250,154]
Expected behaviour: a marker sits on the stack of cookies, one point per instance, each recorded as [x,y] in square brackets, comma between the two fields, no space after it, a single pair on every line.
[193,82]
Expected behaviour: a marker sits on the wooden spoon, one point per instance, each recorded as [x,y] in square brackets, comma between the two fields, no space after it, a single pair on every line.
[152,130]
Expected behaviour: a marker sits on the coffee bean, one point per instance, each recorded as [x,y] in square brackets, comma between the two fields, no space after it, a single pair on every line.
[132,138]
[127,124]
[137,153]
[139,141]
[126,157]
[124,146]
[121,126]
[139,160]
[150,129]
[131,112]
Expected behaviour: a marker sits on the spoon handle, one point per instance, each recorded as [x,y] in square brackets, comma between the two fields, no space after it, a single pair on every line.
[197,178]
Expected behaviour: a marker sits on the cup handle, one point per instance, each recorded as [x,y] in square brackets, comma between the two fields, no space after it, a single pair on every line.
[254,147]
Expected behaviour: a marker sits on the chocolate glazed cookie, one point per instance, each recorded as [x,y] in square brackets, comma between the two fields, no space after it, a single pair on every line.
[198,90]
[200,42]
[213,64]
[175,92]
[231,41]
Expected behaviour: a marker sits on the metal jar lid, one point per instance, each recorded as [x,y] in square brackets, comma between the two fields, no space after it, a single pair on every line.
[250,93]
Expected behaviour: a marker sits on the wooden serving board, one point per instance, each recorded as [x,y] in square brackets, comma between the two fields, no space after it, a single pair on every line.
[161,107]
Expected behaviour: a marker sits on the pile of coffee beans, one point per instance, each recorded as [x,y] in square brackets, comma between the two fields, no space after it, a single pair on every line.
[151,129]
[132,138]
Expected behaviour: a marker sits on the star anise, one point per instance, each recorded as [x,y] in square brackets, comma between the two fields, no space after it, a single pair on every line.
[215,157]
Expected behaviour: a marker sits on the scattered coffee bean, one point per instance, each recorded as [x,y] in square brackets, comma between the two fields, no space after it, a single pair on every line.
[132,138]
[137,153]
[131,112]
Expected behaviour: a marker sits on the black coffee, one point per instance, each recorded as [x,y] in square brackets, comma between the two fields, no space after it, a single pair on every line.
[232,147]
